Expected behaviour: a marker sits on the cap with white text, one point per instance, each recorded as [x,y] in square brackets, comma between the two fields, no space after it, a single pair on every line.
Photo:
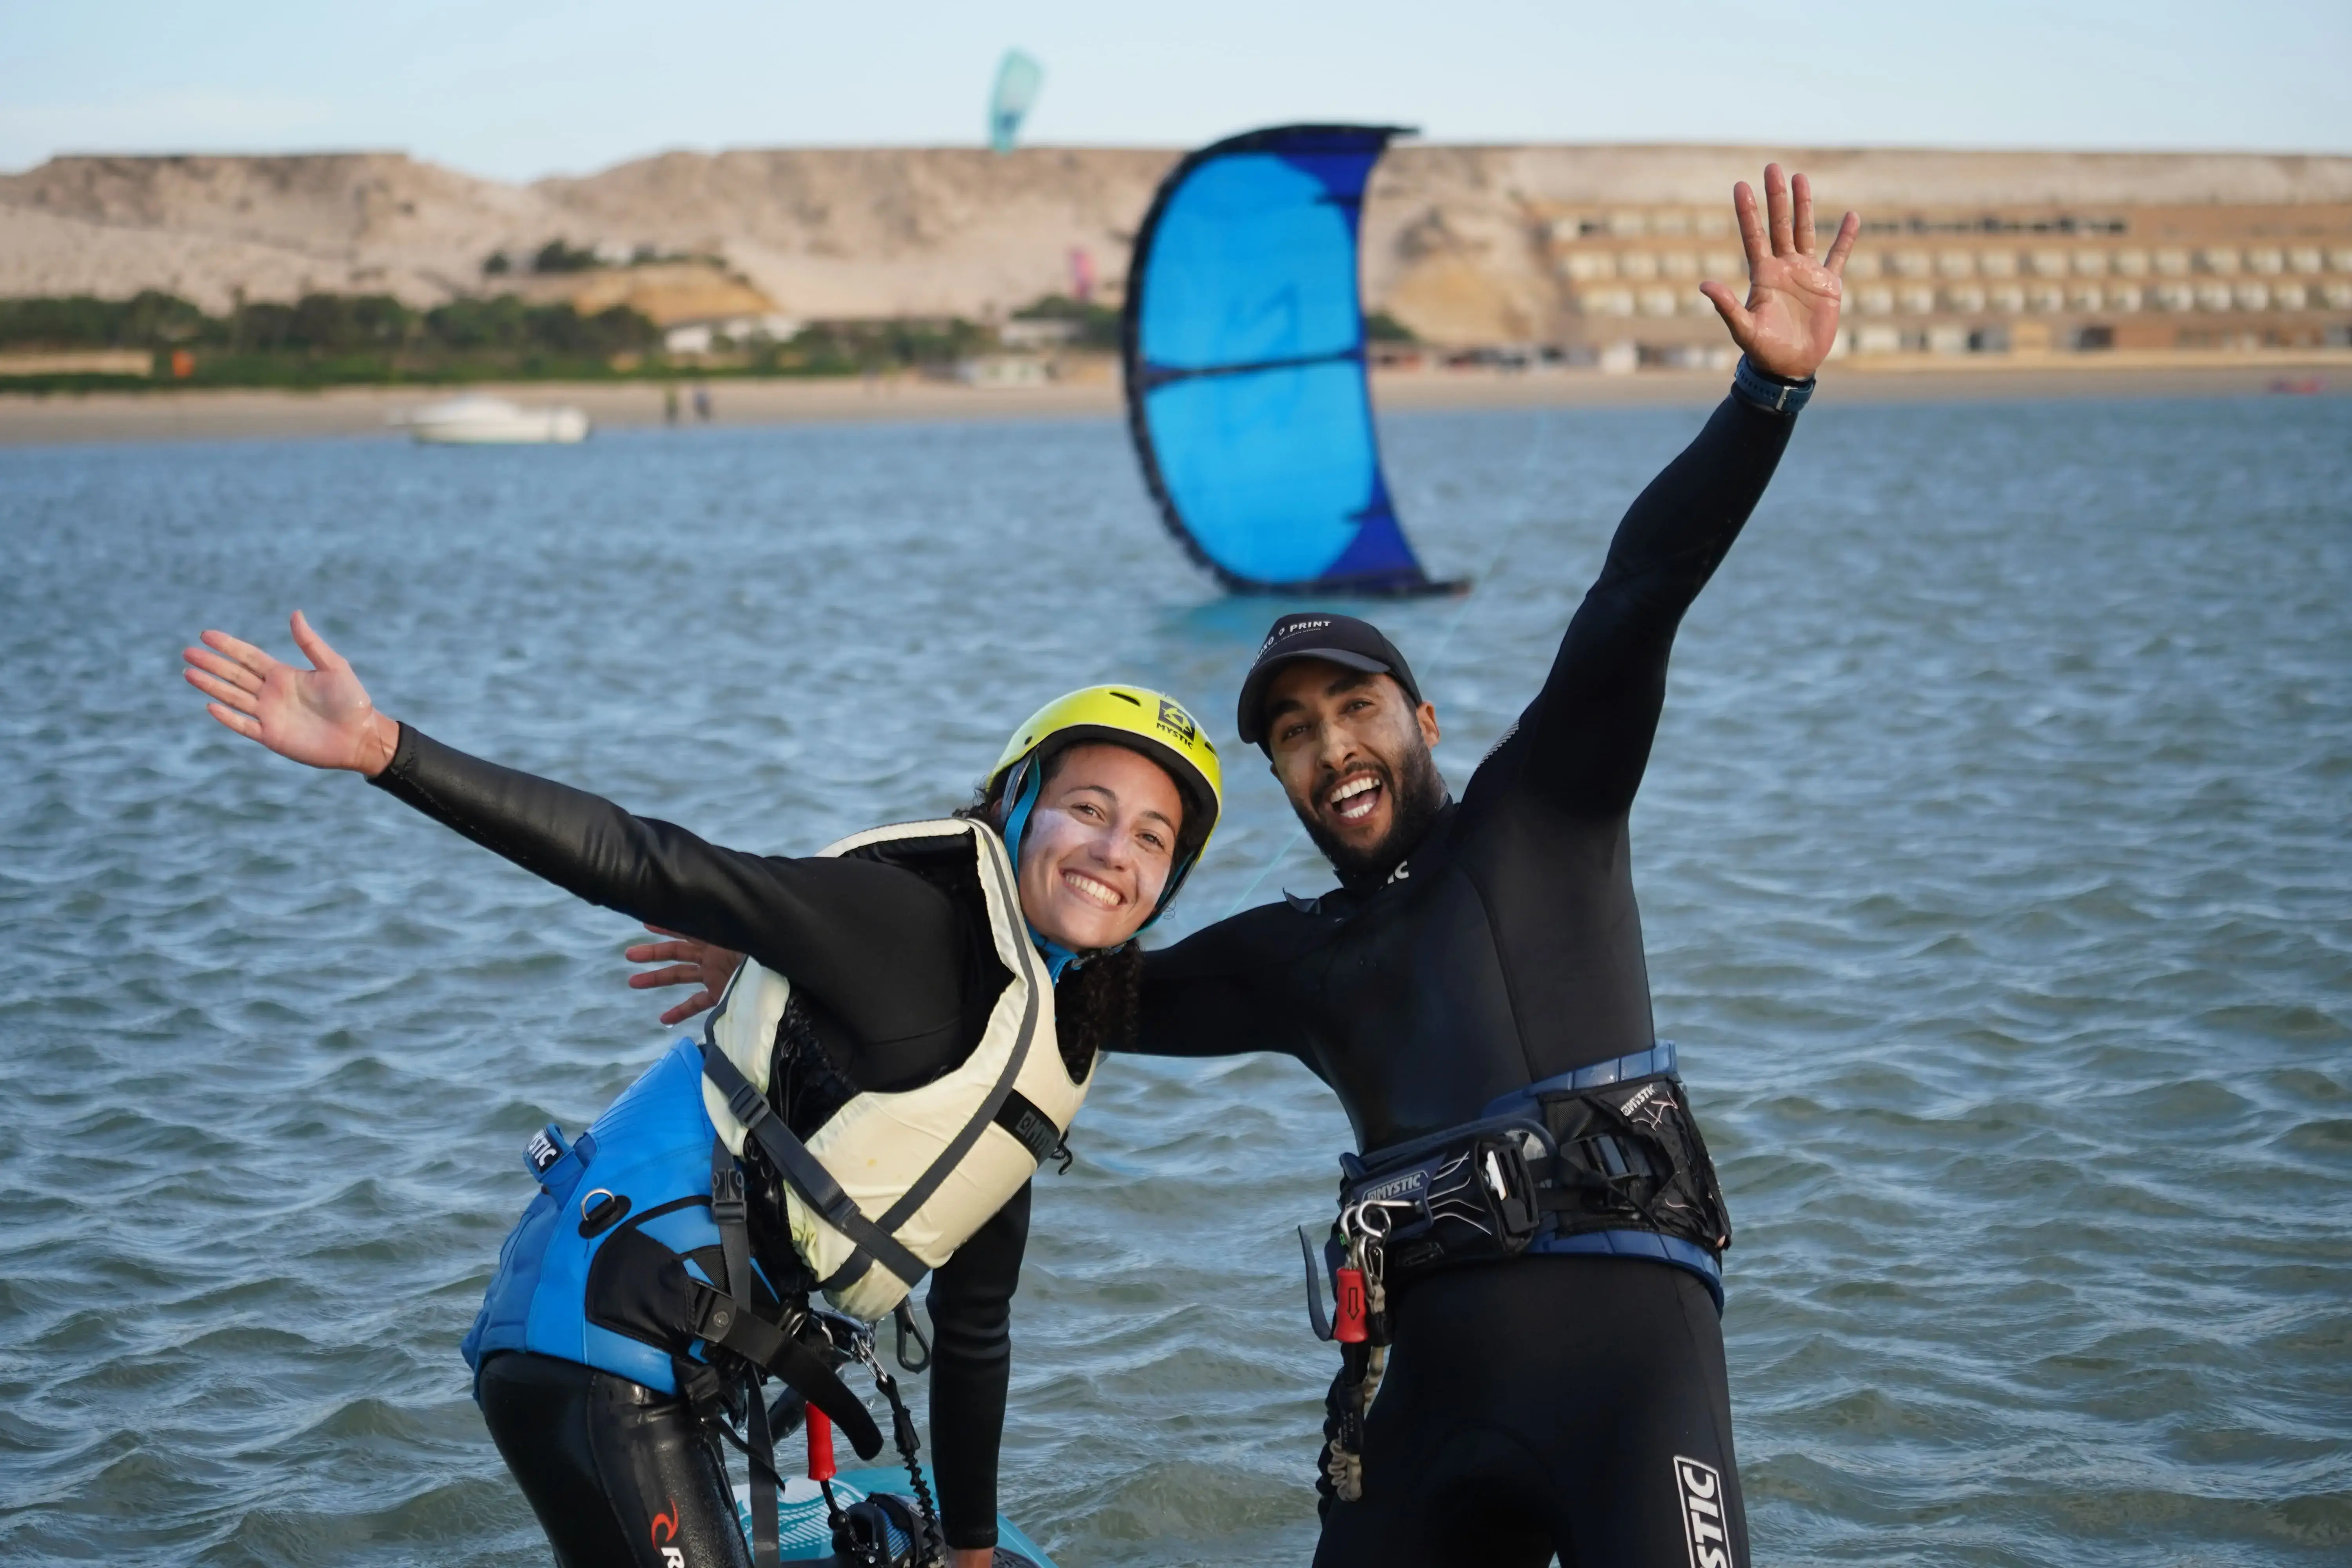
[1312,633]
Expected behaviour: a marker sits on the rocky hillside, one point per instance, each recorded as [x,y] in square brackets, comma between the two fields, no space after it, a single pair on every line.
[1456,235]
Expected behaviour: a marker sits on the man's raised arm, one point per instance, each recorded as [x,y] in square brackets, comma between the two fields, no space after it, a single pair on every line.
[1585,739]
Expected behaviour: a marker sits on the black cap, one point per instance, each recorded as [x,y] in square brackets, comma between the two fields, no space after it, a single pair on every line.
[1314,634]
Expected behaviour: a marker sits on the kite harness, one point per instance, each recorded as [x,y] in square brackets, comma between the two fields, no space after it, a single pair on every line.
[1604,1159]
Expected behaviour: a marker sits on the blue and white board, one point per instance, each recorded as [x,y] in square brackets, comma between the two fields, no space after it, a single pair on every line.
[806,1534]
[1246,388]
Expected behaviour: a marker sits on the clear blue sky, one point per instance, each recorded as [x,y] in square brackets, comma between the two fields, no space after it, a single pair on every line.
[520,88]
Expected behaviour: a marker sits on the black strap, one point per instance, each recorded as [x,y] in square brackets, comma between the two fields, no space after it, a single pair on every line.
[722,1321]
[809,1178]
[765,1551]
[1323,1330]
[729,1213]
[1040,984]
[1031,1128]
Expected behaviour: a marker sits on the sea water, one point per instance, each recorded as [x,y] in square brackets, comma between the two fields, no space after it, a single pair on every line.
[1992,858]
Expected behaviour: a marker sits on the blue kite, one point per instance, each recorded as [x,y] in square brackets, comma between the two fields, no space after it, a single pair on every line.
[1246,386]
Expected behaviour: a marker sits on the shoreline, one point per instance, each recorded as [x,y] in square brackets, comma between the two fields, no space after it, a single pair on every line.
[29,419]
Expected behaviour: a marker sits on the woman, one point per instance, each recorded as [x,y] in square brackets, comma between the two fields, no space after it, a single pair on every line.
[864,1105]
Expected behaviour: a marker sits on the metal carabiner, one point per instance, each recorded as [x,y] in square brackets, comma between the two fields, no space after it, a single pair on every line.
[1369,1221]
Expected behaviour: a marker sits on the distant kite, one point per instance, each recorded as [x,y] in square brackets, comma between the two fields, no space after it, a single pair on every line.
[1017,81]
[1247,390]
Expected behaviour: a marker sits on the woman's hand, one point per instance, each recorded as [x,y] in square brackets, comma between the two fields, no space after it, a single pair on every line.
[690,963]
[1790,323]
[320,716]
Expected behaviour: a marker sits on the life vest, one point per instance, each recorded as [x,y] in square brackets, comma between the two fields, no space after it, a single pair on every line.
[926,1167]
[622,1262]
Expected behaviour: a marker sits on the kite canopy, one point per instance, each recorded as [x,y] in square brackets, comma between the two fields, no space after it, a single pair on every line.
[1017,81]
[1247,391]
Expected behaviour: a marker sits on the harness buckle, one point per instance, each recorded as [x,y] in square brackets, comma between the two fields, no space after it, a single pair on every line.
[747,1105]
[727,1206]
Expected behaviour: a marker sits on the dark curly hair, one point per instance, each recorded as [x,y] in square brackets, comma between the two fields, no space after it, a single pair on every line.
[1096,1006]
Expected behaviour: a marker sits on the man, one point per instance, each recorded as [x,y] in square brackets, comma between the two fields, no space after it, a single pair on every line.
[1564,1392]
[1571,1397]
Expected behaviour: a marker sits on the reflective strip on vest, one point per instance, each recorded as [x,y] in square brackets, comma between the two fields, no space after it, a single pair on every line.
[927,1166]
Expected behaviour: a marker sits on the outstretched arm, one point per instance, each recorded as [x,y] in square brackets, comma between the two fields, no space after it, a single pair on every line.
[1218,992]
[830,924]
[1585,740]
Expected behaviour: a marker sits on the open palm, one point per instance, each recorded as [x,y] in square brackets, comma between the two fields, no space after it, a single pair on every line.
[320,716]
[1789,323]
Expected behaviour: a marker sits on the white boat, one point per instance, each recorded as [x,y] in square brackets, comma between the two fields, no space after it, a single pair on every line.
[477,419]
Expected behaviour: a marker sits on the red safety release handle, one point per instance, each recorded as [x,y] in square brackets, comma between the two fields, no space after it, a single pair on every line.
[1350,1329]
[820,1436]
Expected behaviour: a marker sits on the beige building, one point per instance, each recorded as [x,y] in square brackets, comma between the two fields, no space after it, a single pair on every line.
[2021,278]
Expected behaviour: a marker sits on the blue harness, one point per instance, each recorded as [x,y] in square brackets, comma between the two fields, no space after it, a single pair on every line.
[635,1259]
[642,1169]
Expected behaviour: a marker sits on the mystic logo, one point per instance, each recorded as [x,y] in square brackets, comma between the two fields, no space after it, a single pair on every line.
[663,1532]
[1406,1188]
[1647,1107]
[1701,1488]
[1036,1134]
[1175,719]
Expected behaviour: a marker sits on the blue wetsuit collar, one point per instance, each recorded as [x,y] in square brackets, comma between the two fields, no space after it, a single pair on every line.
[1059,960]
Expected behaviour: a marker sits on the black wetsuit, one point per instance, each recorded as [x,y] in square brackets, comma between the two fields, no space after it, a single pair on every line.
[898,976]
[1536,1406]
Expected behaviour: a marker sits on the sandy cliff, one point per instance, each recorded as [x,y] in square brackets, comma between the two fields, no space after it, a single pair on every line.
[1455,235]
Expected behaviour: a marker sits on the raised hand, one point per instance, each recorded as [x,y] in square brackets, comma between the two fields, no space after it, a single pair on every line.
[320,716]
[690,963]
[1789,321]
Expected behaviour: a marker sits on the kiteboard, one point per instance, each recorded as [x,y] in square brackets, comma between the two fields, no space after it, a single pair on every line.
[805,1531]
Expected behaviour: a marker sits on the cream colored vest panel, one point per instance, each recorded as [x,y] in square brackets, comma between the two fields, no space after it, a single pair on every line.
[928,1165]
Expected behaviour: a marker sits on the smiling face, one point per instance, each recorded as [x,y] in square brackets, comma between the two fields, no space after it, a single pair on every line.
[1353,751]
[1100,843]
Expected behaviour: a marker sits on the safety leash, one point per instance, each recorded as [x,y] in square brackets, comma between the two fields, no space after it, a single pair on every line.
[933,1545]
[1360,1324]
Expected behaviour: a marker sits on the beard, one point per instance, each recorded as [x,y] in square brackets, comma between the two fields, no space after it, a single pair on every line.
[1416,794]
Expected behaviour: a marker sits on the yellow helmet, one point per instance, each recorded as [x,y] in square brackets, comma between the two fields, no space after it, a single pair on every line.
[1144,721]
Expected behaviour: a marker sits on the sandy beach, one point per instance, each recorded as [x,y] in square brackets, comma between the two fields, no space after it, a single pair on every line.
[68,418]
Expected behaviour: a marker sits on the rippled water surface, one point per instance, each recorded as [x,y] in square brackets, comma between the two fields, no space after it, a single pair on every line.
[1993,858]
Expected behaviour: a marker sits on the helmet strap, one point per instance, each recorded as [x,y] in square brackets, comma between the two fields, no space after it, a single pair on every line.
[1023,787]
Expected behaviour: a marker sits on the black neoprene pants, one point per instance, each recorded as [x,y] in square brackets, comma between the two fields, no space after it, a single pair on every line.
[621,1477]
[1575,1405]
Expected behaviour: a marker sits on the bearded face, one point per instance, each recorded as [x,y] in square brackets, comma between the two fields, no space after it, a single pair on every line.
[1352,751]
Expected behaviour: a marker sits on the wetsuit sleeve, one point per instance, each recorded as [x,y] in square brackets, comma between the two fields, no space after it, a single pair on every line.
[1218,993]
[1584,742]
[970,1304]
[839,928]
